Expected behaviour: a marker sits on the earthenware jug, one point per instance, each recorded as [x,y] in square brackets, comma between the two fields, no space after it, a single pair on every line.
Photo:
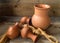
[40,17]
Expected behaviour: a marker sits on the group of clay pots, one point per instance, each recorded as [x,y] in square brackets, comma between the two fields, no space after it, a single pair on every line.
[40,19]
[21,29]
[26,32]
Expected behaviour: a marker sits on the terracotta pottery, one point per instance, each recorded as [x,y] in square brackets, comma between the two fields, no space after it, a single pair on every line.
[32,36]
[26,33]
[20,25]
[28,21]
[13,31]
[25,20]
[40,17]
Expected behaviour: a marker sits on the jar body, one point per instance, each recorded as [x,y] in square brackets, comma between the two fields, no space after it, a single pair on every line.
[40,17]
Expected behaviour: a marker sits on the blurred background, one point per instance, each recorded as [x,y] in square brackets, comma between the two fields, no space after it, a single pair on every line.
[26,7]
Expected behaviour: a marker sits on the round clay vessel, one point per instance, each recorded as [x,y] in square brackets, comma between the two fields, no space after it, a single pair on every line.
[40,17]
[25,20]
[26,33]
[13,31]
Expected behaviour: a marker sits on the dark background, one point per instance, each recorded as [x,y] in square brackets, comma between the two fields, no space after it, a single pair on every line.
[25,7]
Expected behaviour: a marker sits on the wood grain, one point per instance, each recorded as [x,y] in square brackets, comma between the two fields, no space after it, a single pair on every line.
[54,30]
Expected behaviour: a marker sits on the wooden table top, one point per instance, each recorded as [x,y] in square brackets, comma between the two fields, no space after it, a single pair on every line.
[53,30]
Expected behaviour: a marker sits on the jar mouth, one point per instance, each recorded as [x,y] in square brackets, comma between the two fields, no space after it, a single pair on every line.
[42,6]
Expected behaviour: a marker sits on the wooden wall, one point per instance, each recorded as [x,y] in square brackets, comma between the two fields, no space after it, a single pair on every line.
[25,7]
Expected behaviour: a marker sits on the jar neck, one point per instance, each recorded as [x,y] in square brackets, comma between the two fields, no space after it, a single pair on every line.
[40,11]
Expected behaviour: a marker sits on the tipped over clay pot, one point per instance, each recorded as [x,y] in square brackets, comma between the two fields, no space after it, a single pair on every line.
[25,20]
[40,17]
[13,31]
[26,33]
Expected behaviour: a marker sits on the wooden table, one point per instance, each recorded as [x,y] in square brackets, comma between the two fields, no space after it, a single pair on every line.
[53,30]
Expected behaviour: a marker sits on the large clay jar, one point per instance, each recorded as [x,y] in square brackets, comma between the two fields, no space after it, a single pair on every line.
[40,17]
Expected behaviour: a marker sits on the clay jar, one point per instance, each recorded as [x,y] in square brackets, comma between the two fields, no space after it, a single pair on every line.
[13,31]
[40,17]
[26,33]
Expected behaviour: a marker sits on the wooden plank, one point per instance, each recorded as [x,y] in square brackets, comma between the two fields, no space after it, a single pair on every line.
[53,30]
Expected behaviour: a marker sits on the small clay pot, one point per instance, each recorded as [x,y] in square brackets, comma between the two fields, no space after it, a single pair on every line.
[25,20]
[13,31]
[40,17]
[26,33]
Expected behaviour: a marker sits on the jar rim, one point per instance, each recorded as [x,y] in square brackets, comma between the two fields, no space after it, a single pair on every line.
[42,6]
